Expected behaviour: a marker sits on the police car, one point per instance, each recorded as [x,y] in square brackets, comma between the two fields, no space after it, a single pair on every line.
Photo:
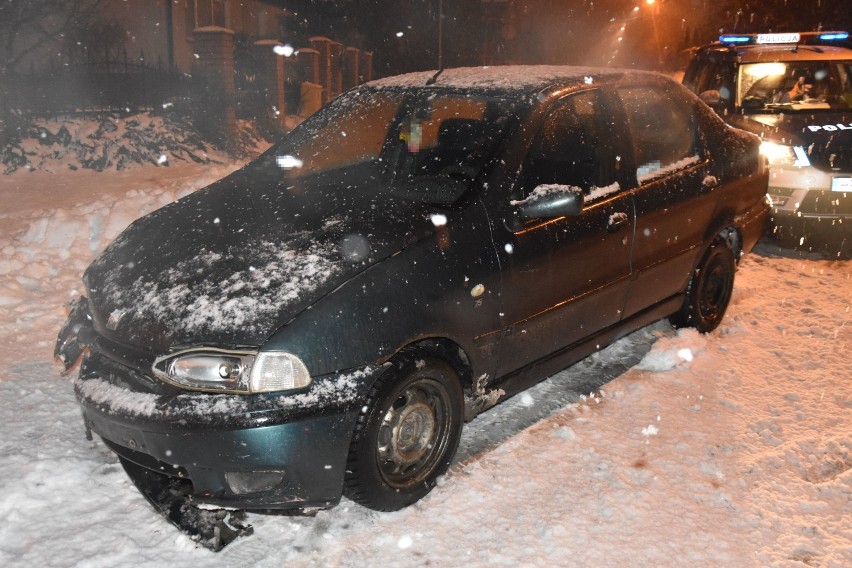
[794,90]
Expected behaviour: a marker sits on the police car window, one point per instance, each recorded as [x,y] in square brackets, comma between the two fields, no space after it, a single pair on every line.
[795,85]
[571,148]
[661,129]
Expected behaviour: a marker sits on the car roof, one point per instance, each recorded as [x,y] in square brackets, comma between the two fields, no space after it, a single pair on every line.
[509,78]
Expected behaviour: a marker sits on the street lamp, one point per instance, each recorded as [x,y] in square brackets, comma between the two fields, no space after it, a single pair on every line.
[440,34]
[656,32]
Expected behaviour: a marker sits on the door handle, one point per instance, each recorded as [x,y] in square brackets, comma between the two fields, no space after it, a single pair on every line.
[617,221]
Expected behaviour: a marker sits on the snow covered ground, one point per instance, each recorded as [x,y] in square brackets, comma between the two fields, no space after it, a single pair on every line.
[730,449]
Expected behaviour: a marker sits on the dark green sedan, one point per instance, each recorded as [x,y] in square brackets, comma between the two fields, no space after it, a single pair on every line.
[323,321]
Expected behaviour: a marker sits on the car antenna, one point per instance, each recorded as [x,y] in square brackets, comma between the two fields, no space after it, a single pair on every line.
[434,78]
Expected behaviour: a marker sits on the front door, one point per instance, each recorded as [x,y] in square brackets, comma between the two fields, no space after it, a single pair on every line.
[566,278]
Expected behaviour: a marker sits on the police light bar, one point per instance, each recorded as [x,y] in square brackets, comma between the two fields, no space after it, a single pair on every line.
[783,38]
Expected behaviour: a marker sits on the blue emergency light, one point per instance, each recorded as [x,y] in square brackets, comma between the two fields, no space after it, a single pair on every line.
[834,36]
[735,39]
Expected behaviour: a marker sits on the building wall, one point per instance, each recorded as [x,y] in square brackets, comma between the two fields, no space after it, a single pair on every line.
[147,29]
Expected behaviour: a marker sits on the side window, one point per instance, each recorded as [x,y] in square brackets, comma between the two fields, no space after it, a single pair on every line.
[571,149]
[698,75]
[723,81]
[662,131]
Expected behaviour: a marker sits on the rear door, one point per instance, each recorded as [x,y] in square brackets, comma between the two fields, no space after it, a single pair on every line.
[673,193]
[566,278]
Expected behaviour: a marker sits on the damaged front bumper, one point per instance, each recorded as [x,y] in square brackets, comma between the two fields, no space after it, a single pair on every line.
[251,458]
[262,451]
[69,344]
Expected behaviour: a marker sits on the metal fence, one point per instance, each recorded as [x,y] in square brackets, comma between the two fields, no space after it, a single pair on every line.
[109,86]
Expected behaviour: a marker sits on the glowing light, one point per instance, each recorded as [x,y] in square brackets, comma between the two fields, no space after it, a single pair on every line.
[734,39]
[286,50]
[765,69]
[439,219]
[288,162]
[399,34]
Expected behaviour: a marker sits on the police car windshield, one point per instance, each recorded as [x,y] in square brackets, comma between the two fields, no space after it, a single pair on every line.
[792,86]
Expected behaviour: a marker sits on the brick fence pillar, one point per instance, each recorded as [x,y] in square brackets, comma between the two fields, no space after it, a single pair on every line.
[309,60]
[323,47]
[214,61]
[311,88]
[350,67]
[272,75]
[365,67]
[336,69]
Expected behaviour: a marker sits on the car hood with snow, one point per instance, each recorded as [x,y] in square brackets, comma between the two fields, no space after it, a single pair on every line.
[230,264]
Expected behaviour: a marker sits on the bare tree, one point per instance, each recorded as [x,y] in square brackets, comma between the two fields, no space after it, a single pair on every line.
[29,25]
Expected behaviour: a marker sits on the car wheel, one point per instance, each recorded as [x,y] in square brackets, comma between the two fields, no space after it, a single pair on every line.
[406,435]
[709,291]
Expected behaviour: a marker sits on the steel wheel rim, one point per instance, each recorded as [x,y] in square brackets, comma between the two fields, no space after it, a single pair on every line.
[715,291]
[413,433]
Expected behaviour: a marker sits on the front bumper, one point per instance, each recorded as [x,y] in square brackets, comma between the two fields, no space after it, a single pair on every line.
[807,212]
[262,451]
[267,462]
[809,193]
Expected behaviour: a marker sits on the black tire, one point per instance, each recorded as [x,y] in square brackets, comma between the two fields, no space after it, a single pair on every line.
[406,435]
[709,291]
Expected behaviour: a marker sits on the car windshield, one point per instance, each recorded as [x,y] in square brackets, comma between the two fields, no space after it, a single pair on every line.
[409,136]
[795,86]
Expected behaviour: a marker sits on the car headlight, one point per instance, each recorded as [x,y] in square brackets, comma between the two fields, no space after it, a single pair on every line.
[244,372]
[783,155]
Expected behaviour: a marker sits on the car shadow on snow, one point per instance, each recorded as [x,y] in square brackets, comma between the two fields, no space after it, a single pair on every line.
[493,427]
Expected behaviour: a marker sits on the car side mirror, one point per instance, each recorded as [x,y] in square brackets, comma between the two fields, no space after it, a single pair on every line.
[711,98]
[550,201]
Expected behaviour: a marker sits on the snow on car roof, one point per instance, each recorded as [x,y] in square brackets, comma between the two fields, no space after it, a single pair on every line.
[510,77]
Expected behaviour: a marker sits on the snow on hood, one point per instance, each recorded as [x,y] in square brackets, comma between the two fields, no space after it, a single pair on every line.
[278,275]
[230,264]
